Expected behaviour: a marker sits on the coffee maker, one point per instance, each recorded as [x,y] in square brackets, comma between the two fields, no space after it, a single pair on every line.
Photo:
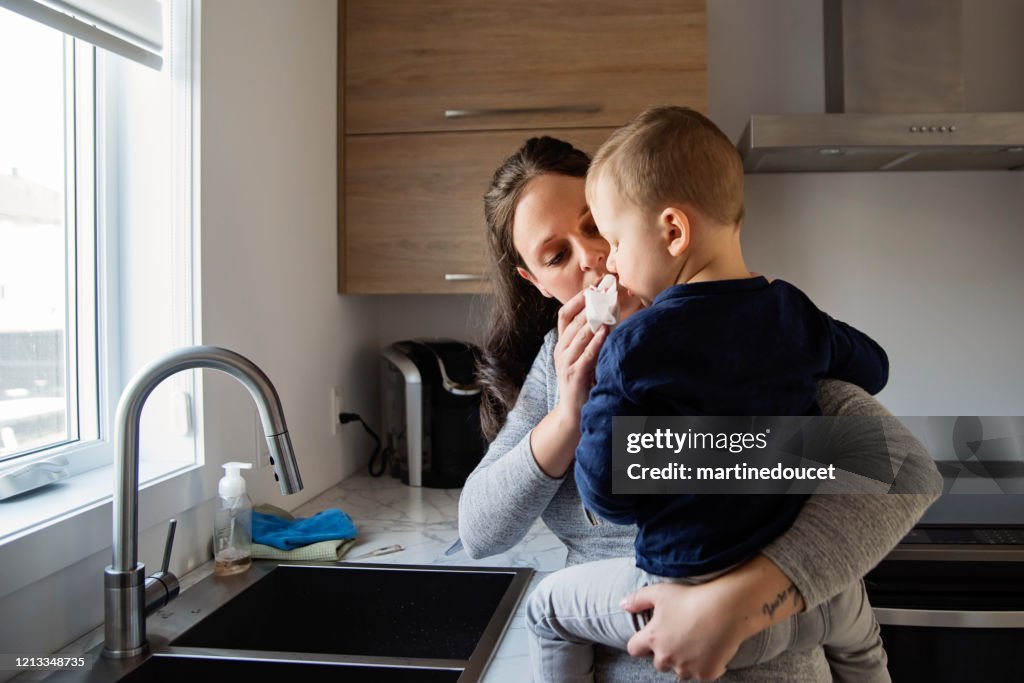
[431,411]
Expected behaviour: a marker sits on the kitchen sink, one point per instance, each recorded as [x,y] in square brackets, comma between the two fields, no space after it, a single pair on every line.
[357,610]
[338,622]
[173,669]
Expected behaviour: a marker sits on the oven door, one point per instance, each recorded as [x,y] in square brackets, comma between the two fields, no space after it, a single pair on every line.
[958,616]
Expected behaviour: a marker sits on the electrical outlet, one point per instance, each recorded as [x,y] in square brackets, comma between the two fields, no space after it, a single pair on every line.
[260,447]
[335,403]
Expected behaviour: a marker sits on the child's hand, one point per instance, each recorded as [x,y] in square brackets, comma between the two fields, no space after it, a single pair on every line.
[691,631]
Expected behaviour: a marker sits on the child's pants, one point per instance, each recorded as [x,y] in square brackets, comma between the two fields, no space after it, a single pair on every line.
[578,606]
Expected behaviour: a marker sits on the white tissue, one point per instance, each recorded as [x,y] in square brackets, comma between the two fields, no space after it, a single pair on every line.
[602,303]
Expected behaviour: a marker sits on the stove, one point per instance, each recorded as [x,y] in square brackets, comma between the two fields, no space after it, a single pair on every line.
[950,602]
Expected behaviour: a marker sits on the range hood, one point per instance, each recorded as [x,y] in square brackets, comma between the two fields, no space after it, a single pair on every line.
[894,99]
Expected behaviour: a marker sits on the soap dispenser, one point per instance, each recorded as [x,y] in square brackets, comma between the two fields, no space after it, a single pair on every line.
[232,533]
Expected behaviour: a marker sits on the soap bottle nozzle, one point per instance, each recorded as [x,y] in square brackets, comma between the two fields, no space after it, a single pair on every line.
[233,485]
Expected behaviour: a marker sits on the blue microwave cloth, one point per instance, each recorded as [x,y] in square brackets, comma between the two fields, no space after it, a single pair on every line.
[288,534]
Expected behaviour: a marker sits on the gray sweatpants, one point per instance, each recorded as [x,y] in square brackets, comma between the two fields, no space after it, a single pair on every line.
[576,607]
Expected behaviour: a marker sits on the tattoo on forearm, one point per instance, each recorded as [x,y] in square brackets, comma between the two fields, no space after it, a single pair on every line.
[769,607]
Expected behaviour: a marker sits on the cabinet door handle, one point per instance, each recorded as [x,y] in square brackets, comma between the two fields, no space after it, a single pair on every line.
[462,277]
[563,109]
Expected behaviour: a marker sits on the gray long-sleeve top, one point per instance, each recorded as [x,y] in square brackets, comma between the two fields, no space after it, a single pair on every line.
[835,540]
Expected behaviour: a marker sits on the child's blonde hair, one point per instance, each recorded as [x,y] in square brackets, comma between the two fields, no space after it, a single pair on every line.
[674,155]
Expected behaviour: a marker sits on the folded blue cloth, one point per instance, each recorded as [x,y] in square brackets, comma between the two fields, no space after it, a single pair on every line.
[288,534]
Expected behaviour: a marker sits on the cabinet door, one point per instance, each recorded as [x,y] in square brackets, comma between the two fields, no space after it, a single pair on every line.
[518,65]
[414,207]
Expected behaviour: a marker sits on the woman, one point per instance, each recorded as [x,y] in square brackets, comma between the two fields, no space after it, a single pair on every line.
[545,249]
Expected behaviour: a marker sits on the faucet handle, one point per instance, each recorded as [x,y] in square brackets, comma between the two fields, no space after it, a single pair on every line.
[162,587]
[168,545]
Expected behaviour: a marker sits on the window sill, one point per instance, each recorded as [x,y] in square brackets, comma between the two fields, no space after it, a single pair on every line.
[47,530]
[35,509]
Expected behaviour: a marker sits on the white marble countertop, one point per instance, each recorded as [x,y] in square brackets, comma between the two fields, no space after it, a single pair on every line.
[423,521]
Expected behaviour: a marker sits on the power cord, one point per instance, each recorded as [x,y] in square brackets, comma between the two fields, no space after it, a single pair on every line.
[345,418]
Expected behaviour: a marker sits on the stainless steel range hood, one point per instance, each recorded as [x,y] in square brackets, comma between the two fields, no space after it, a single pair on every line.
[894,99]
[883,142]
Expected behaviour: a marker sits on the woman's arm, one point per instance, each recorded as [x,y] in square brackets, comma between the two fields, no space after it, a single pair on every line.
[508,490]
[696,630]
[555,438]
[526,463]
[837,539]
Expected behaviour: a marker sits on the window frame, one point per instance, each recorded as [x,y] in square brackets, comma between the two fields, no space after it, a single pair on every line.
[99,247]
[87,366]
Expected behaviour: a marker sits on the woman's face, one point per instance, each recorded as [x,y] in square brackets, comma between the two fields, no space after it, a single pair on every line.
[556,237]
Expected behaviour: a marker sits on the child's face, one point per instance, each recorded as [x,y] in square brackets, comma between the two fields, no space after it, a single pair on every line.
[639,253]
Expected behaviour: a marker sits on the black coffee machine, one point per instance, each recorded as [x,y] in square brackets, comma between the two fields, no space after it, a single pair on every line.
[431,411]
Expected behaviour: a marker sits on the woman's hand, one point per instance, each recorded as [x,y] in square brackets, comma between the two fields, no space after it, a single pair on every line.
[576,356]
[578,347]
[555,438]
[692,632]
[696,630]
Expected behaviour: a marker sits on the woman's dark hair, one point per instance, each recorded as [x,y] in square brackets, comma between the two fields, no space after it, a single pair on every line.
[520,316]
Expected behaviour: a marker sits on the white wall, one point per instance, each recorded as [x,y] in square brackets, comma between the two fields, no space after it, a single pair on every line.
[269,235]
[927,263]
[461,316]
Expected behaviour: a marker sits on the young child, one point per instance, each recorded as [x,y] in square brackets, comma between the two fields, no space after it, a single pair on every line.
[666,191]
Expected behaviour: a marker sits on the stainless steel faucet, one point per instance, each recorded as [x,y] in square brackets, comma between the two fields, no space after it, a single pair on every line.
[129,595]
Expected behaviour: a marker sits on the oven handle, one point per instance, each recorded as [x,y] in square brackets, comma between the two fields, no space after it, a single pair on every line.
[935,618]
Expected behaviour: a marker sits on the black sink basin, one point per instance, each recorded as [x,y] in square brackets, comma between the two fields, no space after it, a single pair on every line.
[329,622]
[159,669]
[437,613]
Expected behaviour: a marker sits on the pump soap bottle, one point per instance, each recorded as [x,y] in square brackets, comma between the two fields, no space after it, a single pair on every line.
[232,533]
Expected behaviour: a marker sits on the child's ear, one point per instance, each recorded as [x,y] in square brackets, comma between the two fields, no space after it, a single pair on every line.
[675,225]
[529,277]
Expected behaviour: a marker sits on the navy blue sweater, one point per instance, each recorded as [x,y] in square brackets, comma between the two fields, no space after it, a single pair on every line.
[729,347]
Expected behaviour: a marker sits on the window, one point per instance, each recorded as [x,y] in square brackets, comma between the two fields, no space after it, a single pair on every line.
[96,233]
[48,365]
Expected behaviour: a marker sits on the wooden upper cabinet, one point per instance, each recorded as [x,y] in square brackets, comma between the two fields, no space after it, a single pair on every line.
[414,207]
[446,65]
[434,94]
